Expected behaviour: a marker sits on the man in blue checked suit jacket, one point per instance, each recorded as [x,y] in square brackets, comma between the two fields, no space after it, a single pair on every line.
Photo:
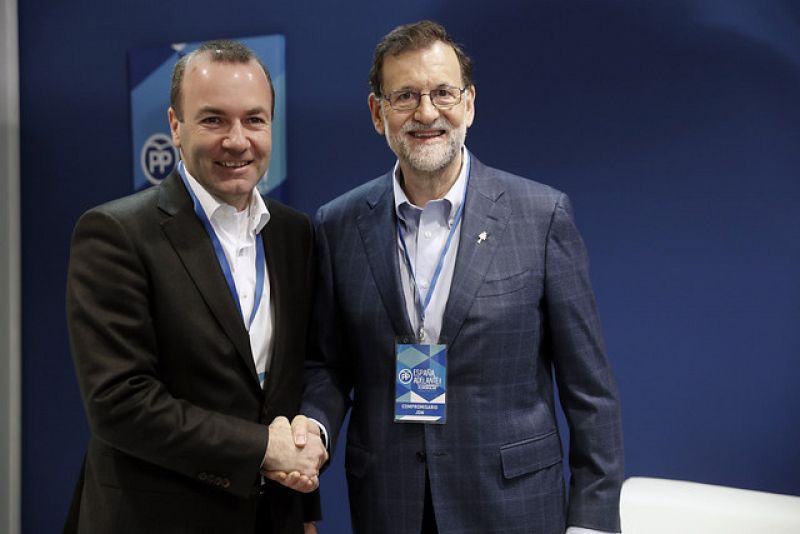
[510,296]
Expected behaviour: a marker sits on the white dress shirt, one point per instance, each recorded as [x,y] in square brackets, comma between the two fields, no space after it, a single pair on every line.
[237,232]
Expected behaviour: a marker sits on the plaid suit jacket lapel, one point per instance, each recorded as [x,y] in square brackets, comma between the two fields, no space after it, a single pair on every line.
[486,215]
[377,226]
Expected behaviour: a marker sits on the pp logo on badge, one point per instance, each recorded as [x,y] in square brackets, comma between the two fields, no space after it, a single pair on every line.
[158,158]
[404,376]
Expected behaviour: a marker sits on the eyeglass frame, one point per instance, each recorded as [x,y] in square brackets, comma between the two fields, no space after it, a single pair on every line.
[428,94]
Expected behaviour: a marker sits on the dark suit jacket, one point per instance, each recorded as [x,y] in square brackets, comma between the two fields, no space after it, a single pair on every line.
[520,311]
[163,360]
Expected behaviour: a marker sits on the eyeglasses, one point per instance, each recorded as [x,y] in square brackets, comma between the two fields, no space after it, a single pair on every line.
[444,97]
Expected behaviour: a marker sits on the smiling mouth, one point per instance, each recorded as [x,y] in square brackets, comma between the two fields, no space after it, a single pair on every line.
[426,134]
[233,164]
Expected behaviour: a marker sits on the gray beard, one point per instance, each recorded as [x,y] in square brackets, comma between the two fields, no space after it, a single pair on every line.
[427,159]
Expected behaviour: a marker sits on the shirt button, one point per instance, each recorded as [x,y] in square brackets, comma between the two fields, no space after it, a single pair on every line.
[428,234]
[423,284]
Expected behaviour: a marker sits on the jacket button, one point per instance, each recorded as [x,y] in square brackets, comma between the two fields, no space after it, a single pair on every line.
[421,457]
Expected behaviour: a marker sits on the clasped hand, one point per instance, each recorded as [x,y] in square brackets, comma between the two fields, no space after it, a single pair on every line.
[295,454]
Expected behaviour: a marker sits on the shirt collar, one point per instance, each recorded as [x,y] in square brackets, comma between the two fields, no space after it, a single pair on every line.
[259,214]
[454,197]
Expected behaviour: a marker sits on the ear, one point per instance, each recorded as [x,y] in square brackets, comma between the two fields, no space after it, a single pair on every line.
[173,127]
[375,109]
[469,95]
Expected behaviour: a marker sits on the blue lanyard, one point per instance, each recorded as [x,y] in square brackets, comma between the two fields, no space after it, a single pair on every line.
[223,261]
[420,305]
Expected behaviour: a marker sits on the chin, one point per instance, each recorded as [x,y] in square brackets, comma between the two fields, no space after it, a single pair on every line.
[432,162]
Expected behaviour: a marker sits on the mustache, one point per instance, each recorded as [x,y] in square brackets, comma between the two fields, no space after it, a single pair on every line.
[439,124]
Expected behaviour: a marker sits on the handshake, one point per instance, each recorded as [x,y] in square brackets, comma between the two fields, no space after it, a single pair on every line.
[295,454]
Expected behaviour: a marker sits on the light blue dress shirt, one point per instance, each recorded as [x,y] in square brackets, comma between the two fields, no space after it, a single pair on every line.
[425,229]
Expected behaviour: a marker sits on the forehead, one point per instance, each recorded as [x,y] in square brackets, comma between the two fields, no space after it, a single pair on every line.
[208,82]
[431,66]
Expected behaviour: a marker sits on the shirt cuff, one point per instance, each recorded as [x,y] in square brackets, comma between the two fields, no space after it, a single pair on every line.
[581,530]
[323,431]
[264,459]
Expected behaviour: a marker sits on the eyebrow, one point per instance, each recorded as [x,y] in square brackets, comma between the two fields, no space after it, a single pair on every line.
[256,111]
[417,89]
[210,110]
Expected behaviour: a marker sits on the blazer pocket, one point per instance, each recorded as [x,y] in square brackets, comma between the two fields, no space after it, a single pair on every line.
[356,460]
[509,284]
[530,455]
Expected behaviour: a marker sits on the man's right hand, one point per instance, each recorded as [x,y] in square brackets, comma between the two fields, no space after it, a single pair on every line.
[294,465]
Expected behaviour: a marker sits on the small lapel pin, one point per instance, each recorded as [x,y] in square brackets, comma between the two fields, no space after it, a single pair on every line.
[482,237]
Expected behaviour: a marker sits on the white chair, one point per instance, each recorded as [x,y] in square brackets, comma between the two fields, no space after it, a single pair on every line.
[660,506]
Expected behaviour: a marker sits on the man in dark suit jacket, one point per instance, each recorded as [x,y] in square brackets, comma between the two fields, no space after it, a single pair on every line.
[445,248]
[188,308]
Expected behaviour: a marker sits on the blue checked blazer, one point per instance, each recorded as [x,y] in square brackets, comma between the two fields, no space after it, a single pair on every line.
[520,312]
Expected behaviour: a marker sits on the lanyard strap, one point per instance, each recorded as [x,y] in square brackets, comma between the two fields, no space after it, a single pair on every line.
[420,305]
[220,252]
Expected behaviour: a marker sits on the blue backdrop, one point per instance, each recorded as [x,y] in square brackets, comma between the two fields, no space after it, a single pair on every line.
[674,126]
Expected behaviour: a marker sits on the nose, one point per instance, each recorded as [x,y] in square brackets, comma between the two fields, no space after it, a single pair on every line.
[235,140]
[426,112]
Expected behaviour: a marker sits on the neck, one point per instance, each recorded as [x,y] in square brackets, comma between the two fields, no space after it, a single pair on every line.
[241,204]
[421,187]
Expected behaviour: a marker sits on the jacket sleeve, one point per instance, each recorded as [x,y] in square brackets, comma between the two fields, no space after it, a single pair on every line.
[326,396]
[586,387]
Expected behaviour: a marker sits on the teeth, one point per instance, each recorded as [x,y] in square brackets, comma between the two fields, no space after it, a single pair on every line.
[426,134]
[231,164]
